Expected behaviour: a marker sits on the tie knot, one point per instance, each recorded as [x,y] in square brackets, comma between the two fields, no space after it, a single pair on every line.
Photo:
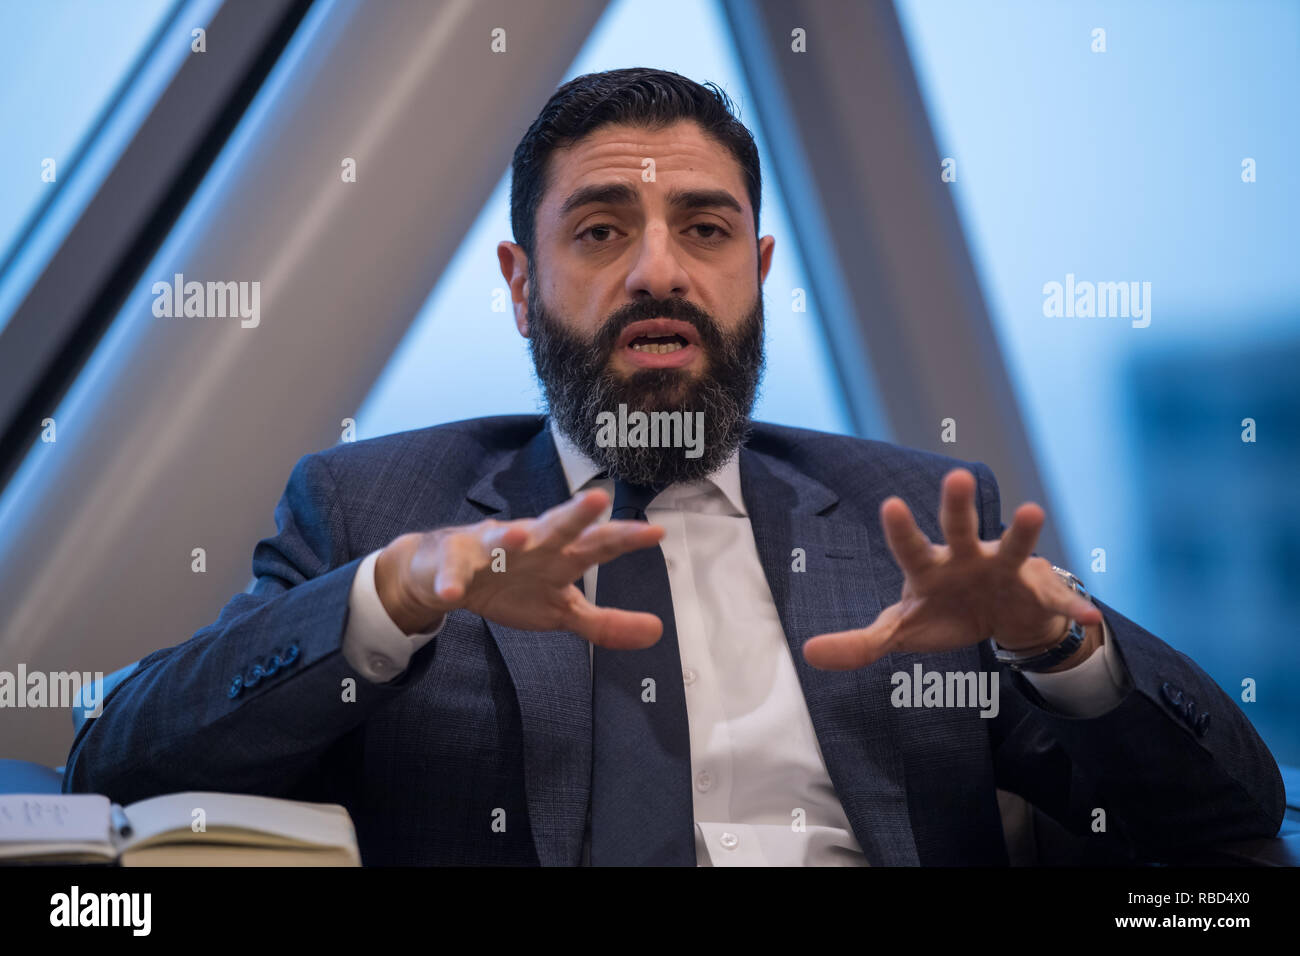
[631,501]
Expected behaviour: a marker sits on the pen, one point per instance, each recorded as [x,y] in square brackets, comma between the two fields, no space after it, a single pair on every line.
[120,823]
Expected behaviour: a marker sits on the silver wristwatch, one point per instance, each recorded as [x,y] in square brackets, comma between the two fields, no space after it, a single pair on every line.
[1073,640]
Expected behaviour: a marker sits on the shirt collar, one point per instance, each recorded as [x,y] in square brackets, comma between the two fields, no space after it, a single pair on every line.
[579,470]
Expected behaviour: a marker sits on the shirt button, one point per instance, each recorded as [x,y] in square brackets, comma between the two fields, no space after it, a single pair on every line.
[380,665]
[729,840]
[688,675]
[704,781]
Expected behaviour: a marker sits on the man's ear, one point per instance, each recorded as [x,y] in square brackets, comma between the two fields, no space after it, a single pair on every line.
[765,246]
[514,268]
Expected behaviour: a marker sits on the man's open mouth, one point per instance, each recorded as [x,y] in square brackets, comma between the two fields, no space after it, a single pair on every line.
[658,344]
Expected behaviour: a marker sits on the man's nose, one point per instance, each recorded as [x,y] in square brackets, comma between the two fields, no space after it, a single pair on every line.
[658,271]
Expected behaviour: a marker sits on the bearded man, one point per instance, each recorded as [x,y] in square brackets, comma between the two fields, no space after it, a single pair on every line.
[517,640]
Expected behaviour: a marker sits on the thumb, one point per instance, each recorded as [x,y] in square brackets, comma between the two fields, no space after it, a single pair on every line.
[849,650]
[613,628]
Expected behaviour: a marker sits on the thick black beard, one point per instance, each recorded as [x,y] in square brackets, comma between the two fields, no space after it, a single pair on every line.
[579,383]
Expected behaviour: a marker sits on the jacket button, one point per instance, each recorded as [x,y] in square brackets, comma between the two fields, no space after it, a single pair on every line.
[1189,709]
[1203,724]
[236,686]
[290,655]
[254,676]
[1174,695]
[272,664]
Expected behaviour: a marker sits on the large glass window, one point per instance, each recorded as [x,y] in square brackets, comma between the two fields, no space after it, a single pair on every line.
[65,67]
[1146,149]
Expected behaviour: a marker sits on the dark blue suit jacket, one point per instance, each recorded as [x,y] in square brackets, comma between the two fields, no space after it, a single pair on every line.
[490,718]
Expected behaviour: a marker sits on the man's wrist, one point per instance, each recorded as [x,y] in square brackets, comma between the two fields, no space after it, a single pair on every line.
[1093,639]
[390,569]
[1058,630]
[1070,645]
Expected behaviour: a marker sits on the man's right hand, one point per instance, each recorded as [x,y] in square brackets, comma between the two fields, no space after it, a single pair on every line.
[422,576]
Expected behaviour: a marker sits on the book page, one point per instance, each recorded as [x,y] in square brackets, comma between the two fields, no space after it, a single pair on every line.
[237,818]
[41,824]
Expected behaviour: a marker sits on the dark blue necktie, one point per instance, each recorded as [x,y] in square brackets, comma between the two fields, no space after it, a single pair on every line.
[641,811]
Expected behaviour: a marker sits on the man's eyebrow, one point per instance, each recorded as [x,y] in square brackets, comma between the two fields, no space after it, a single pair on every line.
[703,199]
[621,194]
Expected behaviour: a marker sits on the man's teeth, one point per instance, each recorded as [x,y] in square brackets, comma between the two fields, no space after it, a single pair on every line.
[656,349]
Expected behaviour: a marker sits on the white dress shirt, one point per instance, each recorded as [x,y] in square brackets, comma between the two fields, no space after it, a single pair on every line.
[755,759]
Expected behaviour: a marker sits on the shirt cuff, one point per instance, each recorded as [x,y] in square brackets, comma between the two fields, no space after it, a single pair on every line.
[373,644]
[1089,689]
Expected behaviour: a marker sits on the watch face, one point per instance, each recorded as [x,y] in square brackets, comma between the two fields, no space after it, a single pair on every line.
[1072,580]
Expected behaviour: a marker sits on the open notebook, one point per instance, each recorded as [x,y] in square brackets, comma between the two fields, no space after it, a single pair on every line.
[179,829]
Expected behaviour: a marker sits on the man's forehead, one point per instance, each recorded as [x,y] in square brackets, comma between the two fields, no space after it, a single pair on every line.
[620,153]
[631,138]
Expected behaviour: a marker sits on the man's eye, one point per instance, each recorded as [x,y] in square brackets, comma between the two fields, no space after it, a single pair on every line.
[602,227]
[717,235]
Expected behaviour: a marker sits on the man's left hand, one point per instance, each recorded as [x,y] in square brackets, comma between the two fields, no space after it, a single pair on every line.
[965,591]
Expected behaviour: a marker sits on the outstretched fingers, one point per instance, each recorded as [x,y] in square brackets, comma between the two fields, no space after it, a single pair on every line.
[848,650]
[957,516]
[1018,541]
[606,542]
[463,555]
[612,627]
[560,525]
[1056,595]
[911,548]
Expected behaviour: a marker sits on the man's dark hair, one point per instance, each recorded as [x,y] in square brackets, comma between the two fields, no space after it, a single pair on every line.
[638,95]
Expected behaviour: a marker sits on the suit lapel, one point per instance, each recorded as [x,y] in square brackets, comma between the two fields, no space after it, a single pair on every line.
[550,670]
[850,710]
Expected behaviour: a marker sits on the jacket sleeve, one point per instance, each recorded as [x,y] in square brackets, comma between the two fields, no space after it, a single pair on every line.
[1175,764]
[250,702]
